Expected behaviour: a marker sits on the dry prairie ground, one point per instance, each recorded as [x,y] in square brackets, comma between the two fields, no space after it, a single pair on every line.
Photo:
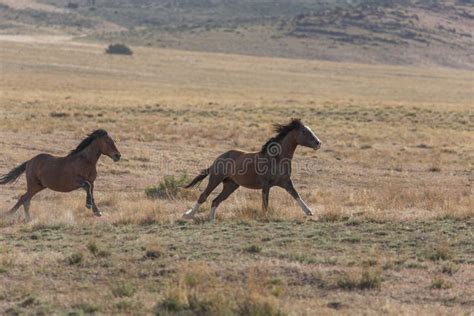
[392,185]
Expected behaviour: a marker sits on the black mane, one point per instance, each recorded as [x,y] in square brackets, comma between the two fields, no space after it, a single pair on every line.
[282,131]
[88,140]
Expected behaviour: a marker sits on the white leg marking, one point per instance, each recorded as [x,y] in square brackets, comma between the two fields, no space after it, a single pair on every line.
[304,207]
[190,213]
[212,216]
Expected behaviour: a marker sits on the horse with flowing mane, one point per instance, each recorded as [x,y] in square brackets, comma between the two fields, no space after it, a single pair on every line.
[269,167]
[64,174]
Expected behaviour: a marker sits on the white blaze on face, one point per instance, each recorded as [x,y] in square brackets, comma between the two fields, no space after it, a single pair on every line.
[312,133]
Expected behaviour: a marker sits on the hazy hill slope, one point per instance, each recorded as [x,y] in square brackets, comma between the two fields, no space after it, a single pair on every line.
[377,31]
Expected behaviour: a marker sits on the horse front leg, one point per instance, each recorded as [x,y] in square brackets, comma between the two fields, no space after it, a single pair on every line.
[265,196]
[90,202]
[289,187]
[87,188]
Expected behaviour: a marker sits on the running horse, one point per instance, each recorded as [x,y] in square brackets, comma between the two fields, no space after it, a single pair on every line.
[269,167]
[64,174]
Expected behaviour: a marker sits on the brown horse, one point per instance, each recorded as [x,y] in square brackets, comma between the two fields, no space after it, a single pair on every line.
[64,174]
[269,167]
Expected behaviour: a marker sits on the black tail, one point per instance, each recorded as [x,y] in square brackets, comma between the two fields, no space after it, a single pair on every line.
[13,174]
[204,173]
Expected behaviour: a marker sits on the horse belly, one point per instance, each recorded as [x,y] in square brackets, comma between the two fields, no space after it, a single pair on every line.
[246,181]
[61,186]
[60,183]
[245,173]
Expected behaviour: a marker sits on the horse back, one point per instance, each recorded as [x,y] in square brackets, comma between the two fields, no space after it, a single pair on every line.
[41,164]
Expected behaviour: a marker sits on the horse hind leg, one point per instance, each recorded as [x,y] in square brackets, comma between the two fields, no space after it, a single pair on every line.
[26,207]
[214,181]
[229,188]
[32,191]
[19,203]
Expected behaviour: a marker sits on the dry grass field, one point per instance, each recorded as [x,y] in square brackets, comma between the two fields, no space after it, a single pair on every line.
[392,185]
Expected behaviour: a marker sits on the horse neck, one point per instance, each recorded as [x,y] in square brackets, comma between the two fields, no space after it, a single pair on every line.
[91,152]
[288,146]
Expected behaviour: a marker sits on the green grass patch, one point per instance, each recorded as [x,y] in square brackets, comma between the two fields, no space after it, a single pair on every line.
[168,188]
[440,284]
[368,280]
[75,259]
[123,290]
[253,249]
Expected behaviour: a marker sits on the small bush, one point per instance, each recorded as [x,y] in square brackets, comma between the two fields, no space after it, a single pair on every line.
[103,253]
[119,49]
[440,252]
[303,258]
[123,290]
[75,259]
[193,305]
[169,187]
[333,216]
[170,304]
[28,301]
[370,279]
[84,308]
[434,169]
[96,251]
[191,280]
[253,249]
[440,284]
[128,307]
[277,291]
[123,305]
[258,306]
[154,252]
[92,246]
[34,236]
[449,268]
[200,306]
[347,282]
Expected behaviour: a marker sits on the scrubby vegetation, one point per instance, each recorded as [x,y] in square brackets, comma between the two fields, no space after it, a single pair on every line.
[119,49]
[168,188]
[200,268]
[368,31]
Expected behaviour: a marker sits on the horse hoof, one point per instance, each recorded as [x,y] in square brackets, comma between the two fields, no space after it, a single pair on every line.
[188,215]
[89,206]
[98,214]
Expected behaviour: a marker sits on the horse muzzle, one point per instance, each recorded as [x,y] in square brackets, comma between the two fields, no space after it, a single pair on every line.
[116,157]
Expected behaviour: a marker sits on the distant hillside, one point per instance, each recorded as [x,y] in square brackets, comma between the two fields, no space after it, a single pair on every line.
[378,31]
